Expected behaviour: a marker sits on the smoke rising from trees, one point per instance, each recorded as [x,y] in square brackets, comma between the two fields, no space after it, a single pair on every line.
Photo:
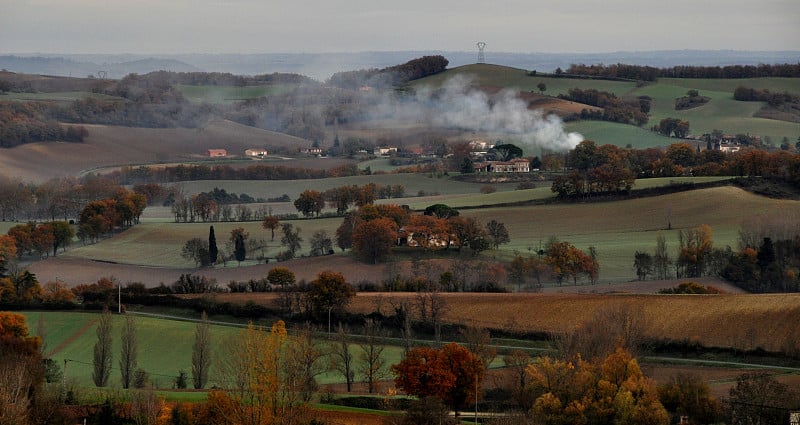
[458,104]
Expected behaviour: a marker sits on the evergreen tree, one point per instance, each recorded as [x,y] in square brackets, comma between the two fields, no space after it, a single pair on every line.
[239,250]
[213,252]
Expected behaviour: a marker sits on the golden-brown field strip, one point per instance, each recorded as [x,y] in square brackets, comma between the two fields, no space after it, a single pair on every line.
[742,321]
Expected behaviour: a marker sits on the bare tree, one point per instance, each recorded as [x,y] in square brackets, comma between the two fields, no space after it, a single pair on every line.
[145,407]
[438,307]
[201,353]
[373,365]
[304,359]
[661,260]
[128,351]
[341,358]
[609,329]
[478,342]
[102,350]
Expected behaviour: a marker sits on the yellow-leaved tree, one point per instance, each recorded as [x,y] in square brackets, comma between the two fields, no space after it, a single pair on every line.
[611,390]
[251,374]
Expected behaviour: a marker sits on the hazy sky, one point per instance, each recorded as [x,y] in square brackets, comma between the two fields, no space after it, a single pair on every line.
[270,26]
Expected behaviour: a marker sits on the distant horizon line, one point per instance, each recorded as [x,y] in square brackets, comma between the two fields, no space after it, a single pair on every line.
[397,51]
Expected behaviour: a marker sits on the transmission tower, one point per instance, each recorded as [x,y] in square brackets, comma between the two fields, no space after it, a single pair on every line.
[481,57]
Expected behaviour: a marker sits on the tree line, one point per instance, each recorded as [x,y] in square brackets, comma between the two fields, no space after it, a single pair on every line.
[630,111]
[185,172]
[28,122]
[649,73]
[592,169]
[747,94]
[227,79]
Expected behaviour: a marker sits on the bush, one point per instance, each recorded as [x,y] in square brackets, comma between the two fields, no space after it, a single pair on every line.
[488,189]
[141,379]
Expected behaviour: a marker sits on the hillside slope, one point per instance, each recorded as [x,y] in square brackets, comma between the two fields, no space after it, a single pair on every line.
[114,146]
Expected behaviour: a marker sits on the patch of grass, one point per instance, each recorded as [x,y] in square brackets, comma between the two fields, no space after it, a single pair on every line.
[229,94]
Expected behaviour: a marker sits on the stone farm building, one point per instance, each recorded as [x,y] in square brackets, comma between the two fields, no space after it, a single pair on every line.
[516,165]
[217,153]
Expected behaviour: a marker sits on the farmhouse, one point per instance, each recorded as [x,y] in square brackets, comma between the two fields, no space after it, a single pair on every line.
[312,151]
[256,153]
[405,238]
[388,150]
[217,153]
[516,165]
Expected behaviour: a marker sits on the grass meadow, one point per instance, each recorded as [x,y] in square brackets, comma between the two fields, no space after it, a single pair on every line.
[165,346]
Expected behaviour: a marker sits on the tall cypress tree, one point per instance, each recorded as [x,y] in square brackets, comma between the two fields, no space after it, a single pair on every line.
[212,247]
[239,250]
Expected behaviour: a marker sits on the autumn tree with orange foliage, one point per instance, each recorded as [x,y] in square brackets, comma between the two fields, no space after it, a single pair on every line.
[8,253]
[373,240]
[567,261]
[696,245]
[21,369]
[610,391]
[450,373]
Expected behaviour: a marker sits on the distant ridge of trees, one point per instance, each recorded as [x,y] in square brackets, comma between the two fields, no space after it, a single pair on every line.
[227,79]
[390,76]
[649,73]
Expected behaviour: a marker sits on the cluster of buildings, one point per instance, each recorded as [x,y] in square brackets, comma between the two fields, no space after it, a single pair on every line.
[479,154]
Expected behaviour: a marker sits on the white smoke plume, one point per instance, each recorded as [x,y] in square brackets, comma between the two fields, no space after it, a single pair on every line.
[457,104]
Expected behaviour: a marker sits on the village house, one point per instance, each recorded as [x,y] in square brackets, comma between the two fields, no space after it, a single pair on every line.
[217,153]
[516,165]
[388,150]
[256,153]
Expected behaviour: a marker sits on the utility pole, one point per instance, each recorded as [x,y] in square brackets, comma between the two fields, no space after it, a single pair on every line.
[64,383]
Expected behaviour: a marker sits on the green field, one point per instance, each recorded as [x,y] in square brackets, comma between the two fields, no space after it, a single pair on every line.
[165,346]
[622,135]
[722,112]
[617,229]
[229,94]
